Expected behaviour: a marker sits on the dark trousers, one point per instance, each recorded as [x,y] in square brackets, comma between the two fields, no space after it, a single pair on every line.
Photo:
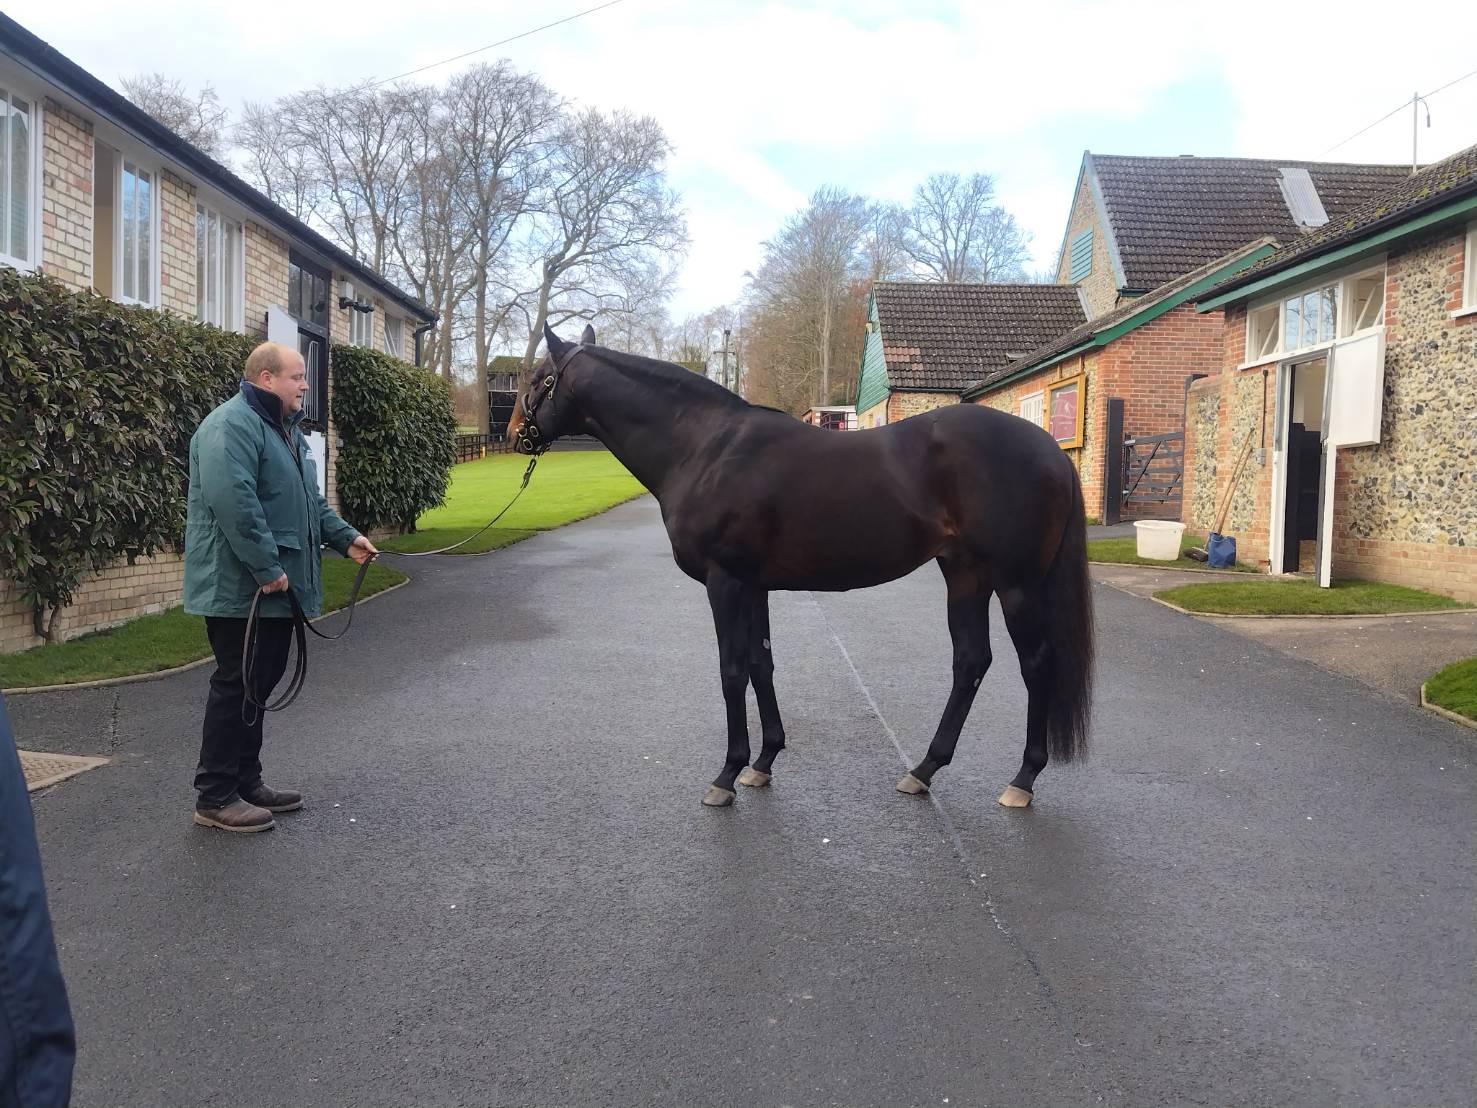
[230,749]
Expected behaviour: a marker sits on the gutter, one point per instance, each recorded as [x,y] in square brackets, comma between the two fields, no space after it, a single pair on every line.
[415,337]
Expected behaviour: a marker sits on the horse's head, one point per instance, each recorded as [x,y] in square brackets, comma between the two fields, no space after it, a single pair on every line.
[542,414]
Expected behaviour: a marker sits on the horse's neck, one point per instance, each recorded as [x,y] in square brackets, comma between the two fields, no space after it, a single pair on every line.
[653,427]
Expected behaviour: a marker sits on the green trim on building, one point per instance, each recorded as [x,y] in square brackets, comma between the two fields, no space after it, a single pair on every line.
[872,386]
[1340,256]
[1138,319]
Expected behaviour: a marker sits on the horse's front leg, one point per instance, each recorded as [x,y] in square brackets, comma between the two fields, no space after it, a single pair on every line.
[732,616]
[761,672]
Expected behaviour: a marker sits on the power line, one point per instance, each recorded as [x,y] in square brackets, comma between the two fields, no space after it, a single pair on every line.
[500,42]
[1401,107]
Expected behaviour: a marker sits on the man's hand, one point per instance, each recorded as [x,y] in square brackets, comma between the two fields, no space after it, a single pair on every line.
[279,585]
[362,550]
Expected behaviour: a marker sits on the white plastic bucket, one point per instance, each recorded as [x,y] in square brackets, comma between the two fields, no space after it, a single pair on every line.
[1158,539]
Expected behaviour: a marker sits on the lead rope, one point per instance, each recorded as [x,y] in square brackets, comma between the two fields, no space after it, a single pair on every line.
[251,706]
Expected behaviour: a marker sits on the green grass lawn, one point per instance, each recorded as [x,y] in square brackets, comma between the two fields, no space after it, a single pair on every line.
[1455,688]
[567,485]
[1125,552]
[151,643]
[1304,597]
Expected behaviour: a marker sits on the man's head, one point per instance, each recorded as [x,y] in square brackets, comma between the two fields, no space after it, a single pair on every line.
[279,370]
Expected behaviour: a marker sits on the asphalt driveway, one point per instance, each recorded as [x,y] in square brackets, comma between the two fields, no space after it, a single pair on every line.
[1259,890]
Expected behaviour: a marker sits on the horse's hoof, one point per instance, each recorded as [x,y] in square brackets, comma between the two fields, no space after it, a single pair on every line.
[1013,797]
[718,798]
[754,778]
[911,785]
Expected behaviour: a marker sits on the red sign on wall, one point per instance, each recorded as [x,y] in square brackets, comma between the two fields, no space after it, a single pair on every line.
[1062,421]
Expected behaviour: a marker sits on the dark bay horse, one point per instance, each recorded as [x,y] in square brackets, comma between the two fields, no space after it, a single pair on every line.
[755,500]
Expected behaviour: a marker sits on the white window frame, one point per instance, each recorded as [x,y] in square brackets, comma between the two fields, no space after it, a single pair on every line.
[1469,274]
[233,313]
[399,326]
[123,158]
[361,324]
[1039,397]
[34,221]
[1274,346]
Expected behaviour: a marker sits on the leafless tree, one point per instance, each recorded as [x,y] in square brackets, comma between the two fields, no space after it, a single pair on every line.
[275,164]
[955,231]
[804,283]
[608,219]
[200,118]
[500,122]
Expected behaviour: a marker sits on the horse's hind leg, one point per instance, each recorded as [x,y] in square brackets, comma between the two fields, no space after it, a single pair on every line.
[732,615]
[969,626]
[761,673]
[1025,615]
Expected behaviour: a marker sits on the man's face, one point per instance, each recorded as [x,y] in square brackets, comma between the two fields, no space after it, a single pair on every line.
[289,386]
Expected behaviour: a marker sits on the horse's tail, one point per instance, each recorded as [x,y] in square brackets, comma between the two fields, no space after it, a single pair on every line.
[1069,625]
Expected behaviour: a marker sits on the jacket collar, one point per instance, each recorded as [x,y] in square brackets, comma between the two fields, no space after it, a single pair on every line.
[269,406]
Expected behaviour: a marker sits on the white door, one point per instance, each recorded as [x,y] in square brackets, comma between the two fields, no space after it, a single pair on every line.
[282,328]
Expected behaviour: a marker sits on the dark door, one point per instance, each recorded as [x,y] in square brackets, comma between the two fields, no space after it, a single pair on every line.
[1304,449]
[307,302]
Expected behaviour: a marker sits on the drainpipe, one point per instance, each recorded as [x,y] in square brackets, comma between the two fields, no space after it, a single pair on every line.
[416,338]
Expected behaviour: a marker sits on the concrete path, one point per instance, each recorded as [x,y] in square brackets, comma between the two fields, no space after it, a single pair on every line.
[1394,654]
[1259,890]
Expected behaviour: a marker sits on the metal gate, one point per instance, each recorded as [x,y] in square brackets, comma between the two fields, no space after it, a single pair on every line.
[1144,474]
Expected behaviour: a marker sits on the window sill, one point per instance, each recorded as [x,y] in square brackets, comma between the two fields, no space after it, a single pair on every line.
[1463,313]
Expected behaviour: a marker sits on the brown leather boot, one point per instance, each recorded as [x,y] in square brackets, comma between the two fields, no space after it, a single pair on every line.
[273,800]
[236,816]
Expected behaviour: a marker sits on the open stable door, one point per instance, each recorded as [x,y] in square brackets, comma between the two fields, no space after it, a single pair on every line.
[1354,403]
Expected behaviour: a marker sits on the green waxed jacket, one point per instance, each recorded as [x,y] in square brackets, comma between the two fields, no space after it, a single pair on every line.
[254,511]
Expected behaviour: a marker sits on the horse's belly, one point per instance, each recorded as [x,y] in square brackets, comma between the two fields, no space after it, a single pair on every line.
[832,553]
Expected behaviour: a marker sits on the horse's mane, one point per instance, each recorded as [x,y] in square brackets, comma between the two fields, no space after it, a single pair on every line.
[671,376]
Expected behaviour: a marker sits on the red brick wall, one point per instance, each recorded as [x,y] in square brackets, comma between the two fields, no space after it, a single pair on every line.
[1146,368]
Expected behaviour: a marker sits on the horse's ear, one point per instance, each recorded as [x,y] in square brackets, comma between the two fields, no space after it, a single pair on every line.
[587,338]
[553,341]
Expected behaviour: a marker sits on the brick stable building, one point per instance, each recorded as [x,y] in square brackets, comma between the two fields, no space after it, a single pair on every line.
[1143,238]
[99,195]
[1350,369]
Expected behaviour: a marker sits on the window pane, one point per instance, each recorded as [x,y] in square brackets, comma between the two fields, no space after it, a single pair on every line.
[128,222]
[145,237]
[1329,317]
[230,297]
[294,290]
[200,264]
[4,169]
[19,172]
[213,271]
[1291,336]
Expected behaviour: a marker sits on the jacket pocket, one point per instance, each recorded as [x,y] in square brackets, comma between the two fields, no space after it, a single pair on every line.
[287,540]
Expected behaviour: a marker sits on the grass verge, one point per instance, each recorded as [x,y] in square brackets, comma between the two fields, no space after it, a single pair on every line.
[568,485]
[1125,552]
[1304,598]
[1455,688]
[161,641]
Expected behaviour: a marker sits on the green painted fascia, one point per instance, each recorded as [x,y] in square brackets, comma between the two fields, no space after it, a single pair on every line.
[1138,319]
[1344,254]
[872,385]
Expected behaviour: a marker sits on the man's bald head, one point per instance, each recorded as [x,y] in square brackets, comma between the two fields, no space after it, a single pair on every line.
[278,369]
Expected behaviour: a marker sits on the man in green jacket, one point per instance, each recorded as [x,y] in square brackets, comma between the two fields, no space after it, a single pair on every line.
[255,523]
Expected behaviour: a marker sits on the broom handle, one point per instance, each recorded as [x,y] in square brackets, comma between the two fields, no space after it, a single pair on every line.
[1225,509]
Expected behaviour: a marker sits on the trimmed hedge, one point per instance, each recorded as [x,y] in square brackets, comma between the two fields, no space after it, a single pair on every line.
[397,429]
[97,405]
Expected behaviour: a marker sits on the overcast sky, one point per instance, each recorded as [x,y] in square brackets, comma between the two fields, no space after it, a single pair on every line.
[765,102]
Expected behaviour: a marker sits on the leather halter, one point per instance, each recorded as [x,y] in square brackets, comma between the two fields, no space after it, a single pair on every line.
[527,436]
